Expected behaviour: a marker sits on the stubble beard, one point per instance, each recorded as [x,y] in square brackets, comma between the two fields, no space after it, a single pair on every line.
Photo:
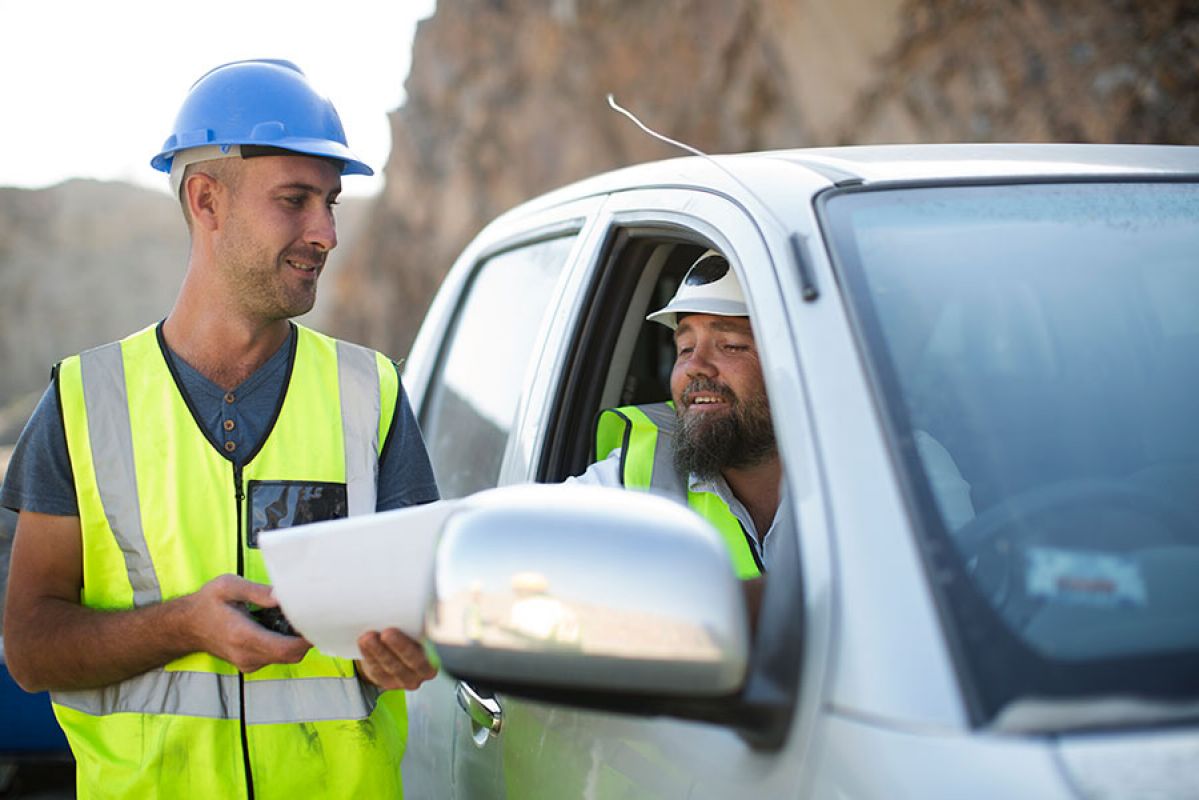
[258,280]
[743,437]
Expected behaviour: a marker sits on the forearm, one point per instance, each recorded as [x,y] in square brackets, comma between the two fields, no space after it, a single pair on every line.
[60,645]
[53,642]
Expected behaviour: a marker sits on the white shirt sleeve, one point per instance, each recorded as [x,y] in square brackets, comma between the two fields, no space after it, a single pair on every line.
[602,473]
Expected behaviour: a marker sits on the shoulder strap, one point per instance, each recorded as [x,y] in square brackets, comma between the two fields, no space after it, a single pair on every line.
[643,434]
[736,540]
[368,387]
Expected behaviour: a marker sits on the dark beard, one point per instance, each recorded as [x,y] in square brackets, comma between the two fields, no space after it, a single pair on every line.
[744,437]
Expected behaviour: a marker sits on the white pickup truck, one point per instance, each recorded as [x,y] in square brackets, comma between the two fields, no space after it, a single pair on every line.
[1032,309]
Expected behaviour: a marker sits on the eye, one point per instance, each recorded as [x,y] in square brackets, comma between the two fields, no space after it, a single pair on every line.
[294,200]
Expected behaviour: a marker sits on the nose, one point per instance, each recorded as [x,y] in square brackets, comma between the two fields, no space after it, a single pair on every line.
[699,361]
[322,232]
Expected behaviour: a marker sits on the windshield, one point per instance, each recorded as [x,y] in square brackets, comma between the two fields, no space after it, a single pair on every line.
[1037,348]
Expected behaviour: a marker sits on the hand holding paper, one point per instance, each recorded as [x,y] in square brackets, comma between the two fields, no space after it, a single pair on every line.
[392,660]
[337,580]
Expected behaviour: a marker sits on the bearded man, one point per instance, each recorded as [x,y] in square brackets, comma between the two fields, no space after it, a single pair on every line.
[713,447]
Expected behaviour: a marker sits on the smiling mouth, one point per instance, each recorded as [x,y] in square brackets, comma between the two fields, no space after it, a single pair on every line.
[310,266]
[706,398]
[706,395]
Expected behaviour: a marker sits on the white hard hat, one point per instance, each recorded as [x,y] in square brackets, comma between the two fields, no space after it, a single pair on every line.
[709,287]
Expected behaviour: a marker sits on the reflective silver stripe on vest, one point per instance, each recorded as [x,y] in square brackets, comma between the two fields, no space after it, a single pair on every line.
[111,439]
[189,694]
[358,380]
[665,480]
[308,700]
[213,696]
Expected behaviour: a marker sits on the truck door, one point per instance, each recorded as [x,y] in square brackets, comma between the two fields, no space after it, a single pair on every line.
[466,378]
[607,357]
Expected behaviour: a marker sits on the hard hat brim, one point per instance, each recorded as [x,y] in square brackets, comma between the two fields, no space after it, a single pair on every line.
[351,165]
[669,316]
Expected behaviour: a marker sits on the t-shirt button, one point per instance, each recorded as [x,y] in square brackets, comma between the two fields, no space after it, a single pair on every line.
[230,446]
[229,397]
[229,424]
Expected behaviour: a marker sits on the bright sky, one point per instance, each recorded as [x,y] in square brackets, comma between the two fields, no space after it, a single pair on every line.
[90,89]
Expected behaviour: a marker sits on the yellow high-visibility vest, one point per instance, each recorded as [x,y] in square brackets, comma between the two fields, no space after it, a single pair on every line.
[163,510]
[645,433]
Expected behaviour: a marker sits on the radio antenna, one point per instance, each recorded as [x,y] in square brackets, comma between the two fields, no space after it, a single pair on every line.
[615,106]
[810,292]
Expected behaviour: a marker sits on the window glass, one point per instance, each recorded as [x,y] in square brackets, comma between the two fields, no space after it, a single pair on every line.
[473,396]
[1040,342]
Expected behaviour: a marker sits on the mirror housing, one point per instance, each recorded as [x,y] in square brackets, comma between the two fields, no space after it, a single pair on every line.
[568,591]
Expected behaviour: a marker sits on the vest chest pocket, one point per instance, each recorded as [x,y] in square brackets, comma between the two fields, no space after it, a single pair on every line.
[285,504]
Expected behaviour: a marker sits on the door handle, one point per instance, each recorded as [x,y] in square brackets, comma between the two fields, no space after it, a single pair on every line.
[484,712]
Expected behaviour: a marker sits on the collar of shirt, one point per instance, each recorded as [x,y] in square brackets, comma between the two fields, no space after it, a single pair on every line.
[235,421]
[720,487]
[268,373]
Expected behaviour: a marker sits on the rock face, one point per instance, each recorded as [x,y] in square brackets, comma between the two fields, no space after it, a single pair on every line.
[86,262]
[506,100]
[81,263]
[1041,70]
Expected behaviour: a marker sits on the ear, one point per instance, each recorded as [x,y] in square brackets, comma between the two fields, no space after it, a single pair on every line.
[204,194]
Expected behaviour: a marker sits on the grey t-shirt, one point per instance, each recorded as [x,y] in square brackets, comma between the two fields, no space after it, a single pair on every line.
[39,475]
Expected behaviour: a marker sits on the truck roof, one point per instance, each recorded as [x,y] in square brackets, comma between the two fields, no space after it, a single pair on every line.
[951,161]
[883,164]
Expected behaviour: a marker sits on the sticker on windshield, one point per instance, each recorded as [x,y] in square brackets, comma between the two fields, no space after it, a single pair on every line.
[1085,577]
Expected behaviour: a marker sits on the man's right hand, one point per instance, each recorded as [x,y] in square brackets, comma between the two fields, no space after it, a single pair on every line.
[52,642]
[222,626]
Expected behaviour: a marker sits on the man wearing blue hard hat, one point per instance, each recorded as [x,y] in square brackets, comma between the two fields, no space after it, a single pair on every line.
[138,595]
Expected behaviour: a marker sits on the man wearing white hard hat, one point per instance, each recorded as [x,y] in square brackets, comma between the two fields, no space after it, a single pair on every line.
[154,464]
[713,446]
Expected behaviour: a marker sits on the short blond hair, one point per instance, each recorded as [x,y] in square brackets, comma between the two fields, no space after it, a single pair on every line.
[224,170]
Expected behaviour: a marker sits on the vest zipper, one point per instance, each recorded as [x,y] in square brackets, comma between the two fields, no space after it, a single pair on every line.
[240,495]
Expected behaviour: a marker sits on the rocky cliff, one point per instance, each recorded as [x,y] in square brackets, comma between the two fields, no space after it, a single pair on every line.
[81,263]
[86,262]
[506,100]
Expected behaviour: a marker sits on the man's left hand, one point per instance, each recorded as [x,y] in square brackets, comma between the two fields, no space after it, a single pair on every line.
[392,660]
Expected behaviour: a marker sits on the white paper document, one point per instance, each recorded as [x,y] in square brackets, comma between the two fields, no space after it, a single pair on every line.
[336,580]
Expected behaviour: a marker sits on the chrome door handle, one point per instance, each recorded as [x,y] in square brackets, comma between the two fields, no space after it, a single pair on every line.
[484,712]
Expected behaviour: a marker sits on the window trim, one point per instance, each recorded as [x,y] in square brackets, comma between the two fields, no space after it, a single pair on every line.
[764,712]
[435,384]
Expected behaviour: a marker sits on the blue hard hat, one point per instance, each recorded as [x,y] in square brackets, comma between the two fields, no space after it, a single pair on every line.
[264,102]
